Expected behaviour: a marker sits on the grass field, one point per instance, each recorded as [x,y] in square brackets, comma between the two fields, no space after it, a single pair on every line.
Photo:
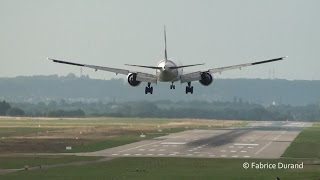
[44,135]
[306,145]
[21,161]
[168,168]
[93,134]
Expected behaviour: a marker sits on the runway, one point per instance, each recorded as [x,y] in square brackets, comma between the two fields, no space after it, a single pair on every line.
[257,140]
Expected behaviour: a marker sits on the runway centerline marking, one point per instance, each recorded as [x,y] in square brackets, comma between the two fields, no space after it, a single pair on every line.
[279,135]
[270,142]
[265,146]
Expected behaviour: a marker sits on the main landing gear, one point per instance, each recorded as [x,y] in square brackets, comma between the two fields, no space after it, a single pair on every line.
[172,86]
[189,88]
[148,89]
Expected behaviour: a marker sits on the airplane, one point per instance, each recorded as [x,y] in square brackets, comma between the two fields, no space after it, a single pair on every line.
[167,70]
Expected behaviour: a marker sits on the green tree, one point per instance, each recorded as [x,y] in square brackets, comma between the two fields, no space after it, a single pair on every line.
[4,106]
[14,111]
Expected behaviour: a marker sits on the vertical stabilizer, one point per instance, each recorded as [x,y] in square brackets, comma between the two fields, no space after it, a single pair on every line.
[165,45]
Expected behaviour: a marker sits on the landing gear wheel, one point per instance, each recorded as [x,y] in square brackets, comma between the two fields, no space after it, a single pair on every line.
[189,88]
[148,89]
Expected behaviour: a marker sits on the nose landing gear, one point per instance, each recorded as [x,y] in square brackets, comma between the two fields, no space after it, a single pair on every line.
[172,86]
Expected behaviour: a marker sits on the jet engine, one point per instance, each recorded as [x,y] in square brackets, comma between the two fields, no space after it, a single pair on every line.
[132,79]
[206,79]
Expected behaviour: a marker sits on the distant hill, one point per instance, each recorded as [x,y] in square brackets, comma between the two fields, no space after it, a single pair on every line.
[72,88]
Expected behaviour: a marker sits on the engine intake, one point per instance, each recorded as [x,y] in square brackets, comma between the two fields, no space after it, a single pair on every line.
[132,80]
[206,79]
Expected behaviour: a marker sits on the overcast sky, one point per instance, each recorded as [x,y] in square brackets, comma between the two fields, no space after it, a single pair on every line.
[112,33]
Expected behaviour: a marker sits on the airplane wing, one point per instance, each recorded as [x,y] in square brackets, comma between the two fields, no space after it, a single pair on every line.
[195,76]
[145,77]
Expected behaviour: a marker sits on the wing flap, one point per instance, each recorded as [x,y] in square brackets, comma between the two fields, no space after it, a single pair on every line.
[195,76]
[145,77]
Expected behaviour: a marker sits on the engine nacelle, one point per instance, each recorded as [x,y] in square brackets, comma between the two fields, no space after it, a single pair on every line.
[206,79]
[132,79]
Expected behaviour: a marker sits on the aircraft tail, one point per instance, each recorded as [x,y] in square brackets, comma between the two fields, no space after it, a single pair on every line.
[165,45]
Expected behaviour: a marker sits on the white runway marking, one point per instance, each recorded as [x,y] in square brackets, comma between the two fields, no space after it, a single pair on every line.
[149,154]
[114,154]
[246,156]
[279,135]
[233,151]
[173,143]
[235,156]
[141,149]
[270,142]
[126,154]
[239,144]
[243,151]
[137,154]
[263,147]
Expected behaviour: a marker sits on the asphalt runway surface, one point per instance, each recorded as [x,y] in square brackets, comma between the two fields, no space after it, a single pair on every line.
[257,140]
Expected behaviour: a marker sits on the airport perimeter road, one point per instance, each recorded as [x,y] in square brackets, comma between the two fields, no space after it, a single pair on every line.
[257,140]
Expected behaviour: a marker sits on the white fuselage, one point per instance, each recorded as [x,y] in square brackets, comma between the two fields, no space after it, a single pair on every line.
[166,74]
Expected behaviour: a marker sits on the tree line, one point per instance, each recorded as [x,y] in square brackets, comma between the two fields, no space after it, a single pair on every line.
[238,109]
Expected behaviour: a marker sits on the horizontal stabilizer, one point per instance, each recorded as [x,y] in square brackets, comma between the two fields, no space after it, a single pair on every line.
[150,67]
[177,67]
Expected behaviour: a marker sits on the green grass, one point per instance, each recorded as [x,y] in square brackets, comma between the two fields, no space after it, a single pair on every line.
[168,168]
[306,145]
[20,162]
[109,143]
[20,131]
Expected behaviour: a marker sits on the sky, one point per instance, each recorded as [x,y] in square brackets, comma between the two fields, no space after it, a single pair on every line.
[113,33]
